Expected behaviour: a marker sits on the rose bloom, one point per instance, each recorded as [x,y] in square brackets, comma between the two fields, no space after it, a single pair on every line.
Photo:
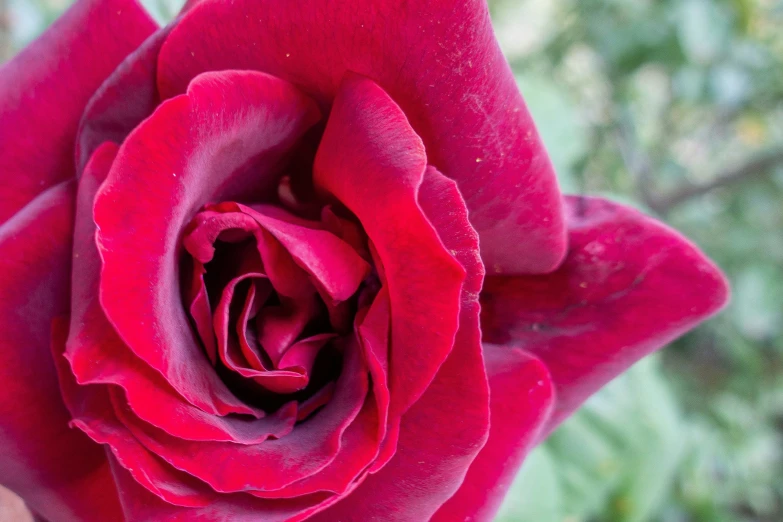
[288,260]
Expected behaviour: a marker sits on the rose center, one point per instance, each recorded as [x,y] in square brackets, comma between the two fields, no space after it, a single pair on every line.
[271,295]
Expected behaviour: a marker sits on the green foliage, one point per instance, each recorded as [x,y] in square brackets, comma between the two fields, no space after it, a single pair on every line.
[614,459]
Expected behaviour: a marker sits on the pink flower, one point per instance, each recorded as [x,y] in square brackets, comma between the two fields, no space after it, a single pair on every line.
[259,292]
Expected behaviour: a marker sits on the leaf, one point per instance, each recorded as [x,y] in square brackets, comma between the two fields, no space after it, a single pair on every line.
[535,494]
[616,459]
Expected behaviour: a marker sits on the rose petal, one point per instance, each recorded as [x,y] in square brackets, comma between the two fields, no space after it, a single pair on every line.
[286,276]
[370,154]
[373,329]
[346,229]
[366,444]
[248,339]
[127,97]
[334,266]
[285,379]
[93,413]
[201,310]
[521,399]
[279,326]
[196,147]
[98,355]
[438,60]
[140,474]
[359,445]
[442,432]
[273,464]
[44,90]
[231,354]
[628,286]
[59,472]
[140,504]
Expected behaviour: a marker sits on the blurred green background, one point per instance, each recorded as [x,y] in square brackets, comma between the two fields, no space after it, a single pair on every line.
[676,107]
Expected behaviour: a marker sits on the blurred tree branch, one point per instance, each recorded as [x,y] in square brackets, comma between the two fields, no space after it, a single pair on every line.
[636,159]
[755,166]
[640,166]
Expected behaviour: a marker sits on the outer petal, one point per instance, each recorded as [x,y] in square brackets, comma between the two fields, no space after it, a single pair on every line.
[521,399]
[140,504]
[127,97]
[44,90]
[59,472]
[92,412]
[148,487]
[628,286]
[438,60]
[274,464]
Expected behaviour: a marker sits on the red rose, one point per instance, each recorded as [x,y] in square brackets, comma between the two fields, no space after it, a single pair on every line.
[257,292]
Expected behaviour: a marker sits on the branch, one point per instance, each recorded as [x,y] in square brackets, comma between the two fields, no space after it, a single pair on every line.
[640,166]
[636,161]
[753,167]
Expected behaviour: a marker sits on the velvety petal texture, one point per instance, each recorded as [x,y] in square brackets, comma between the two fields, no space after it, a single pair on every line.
[629,286]
[127,97]
[421,476]
[521,399]
[57,470]
[370,153]
[438,60]
[44,90]
[226,137]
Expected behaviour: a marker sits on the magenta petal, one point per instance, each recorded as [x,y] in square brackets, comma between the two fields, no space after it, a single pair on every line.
[283,380]
[444,430]
[359,445]
[521,399]
[198,147]
[369,153]
[139,504]
[92,411]
[201,310]
[272,464]
[628,286]
[224,320]
[438,60]
[248,342]
[331,262]
[279,326]
[127,97]
[373,330]
[97,355]
[143,477]
[59,472]
[44,90]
